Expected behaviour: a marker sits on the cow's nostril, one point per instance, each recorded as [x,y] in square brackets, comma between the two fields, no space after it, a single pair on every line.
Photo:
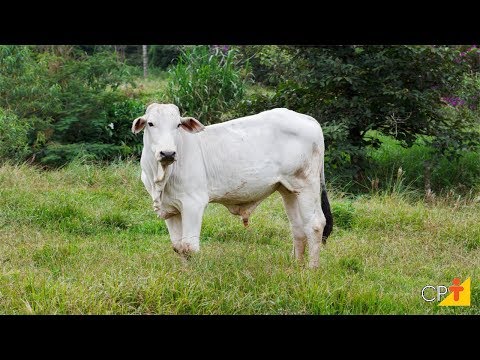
[167,154]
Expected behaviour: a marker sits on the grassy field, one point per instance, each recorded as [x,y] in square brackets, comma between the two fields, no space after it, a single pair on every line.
[84,240]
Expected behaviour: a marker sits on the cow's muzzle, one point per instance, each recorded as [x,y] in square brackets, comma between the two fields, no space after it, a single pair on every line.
[166,157]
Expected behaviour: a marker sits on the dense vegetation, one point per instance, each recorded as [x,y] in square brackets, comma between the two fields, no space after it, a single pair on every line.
[58,103]
[405,92]
[69,102]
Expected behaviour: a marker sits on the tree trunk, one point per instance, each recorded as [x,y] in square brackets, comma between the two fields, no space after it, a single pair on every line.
[357,159]
[120,51]
[145,61]
[427,176]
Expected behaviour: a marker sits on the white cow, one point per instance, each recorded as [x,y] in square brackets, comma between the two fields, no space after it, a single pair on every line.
[238,163]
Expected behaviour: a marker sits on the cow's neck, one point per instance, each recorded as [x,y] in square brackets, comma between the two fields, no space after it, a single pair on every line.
[173,173]
[183,175]
[161,177]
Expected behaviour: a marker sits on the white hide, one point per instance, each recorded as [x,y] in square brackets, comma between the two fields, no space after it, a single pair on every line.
[237,163]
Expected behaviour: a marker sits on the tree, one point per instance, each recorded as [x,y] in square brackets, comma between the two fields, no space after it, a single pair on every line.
[396,90]
[145,60]
[120,51]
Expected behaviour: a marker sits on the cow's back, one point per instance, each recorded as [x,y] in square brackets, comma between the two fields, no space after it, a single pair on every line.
[245,158]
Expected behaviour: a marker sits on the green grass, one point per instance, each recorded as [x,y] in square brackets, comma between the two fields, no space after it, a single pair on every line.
[84,240]
[459,176]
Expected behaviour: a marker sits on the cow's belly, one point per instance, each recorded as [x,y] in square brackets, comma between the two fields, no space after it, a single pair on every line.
[244,192]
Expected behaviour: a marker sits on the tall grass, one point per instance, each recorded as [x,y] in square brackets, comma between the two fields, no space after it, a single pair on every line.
[206,83]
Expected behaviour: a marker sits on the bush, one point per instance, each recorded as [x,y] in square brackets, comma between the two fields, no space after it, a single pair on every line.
[205,83]
[112,137]
[268,63]
[121,114]
[71,100]
[25,86]
[13,138]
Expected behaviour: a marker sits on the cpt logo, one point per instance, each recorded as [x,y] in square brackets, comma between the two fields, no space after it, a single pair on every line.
[459,293]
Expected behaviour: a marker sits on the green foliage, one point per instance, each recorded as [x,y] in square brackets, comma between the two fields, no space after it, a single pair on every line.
[396,90]
[13,137]
[205,83]
[71,99]
[459,132]
[460,174]
[121,115]
[112,133]
[269,64]
[381,107]
[25,87]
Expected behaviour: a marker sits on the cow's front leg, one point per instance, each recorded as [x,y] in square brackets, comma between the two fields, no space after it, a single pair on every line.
[192,215]
[174,226]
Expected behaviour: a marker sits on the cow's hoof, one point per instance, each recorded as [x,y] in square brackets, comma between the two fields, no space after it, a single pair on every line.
[185,250]
[189,250]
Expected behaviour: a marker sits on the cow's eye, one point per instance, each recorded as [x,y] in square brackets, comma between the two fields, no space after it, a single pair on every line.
[150,124]
[179,125]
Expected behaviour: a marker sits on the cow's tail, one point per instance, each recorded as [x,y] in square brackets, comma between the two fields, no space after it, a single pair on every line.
[326,207]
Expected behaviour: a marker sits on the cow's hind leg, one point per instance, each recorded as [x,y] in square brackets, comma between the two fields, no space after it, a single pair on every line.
[313,222]
[293,213]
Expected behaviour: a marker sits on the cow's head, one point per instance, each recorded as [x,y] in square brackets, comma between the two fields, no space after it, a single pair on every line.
[162,123]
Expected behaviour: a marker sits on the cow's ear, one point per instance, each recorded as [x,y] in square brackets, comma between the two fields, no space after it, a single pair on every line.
[138,125]
[191,125]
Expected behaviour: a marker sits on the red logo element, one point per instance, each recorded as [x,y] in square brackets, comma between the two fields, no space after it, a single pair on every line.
[455,289]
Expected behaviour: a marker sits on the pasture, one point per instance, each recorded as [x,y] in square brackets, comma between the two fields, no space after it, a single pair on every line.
[84,240]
